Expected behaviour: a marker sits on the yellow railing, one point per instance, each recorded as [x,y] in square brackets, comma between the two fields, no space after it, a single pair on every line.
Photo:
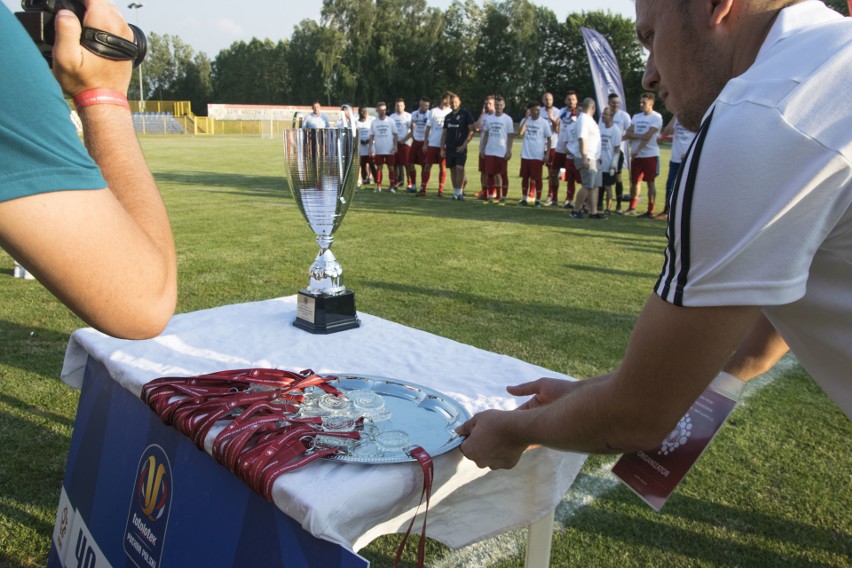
[176,117]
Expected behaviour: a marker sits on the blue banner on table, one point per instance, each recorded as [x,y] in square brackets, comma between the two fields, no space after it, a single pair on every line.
[605,73]
[137,493]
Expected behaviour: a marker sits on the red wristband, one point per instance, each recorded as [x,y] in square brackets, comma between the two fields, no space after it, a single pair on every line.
[100,97]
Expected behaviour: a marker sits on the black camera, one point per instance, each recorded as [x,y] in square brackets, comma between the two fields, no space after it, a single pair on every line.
[37,19]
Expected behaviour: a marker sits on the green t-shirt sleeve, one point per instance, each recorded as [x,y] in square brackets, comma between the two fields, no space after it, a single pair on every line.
[40,150]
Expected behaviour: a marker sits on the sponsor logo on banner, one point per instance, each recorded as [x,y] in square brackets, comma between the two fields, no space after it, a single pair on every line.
[150,506]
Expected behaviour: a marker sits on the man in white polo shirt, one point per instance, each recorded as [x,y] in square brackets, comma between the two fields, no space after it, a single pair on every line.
[759,255]
[585,145]
[645,152]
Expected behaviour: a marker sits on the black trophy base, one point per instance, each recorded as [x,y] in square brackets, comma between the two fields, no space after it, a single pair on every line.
[322,314]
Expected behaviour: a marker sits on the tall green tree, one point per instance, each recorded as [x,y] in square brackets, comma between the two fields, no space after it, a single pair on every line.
[195,83]
[167,61]
[455,52]
[254,72]
[307,81]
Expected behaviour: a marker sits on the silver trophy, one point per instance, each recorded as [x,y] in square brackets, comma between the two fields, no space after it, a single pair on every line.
[322,171]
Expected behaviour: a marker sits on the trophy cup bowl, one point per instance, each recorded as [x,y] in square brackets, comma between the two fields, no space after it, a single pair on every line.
[322,171]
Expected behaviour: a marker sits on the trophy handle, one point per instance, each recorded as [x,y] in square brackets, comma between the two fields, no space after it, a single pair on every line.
[298,119]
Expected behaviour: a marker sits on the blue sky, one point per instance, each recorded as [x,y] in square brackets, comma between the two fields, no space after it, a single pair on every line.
[212,25]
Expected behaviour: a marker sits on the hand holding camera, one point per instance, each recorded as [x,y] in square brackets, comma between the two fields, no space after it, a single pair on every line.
[81,40]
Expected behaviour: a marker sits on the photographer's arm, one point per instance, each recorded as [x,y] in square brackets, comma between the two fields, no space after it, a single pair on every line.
[108,254]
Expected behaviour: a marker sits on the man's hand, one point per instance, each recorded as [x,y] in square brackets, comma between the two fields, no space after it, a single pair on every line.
[491,440]
[76,68]
[543,391]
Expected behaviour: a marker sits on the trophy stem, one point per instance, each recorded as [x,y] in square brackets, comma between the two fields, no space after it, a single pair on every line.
[325,242]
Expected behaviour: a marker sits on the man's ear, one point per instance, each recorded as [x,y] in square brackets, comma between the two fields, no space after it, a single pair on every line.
[718,11]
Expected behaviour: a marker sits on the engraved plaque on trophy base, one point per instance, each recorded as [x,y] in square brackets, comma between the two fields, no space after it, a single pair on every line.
[324,314]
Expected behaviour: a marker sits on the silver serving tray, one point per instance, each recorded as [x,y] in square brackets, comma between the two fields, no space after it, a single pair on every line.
[428,417]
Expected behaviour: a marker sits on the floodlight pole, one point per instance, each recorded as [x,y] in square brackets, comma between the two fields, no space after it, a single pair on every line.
[136,6]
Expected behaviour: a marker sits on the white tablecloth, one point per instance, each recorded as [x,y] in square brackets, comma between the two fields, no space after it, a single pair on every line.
[351,504]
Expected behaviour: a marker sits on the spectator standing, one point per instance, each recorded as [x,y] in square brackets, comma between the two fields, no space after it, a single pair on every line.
[383,142]
[315,119]
[537,134]
[645,152]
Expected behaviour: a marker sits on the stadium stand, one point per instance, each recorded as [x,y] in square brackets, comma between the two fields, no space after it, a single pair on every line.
[157,123]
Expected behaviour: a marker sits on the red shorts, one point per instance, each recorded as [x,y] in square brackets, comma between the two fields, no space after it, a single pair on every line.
[550,157]
[382,159]
[415,155]
[558,160]
[403,154]
[644,168]
[482,163]
[495,165]
[433,156]
[571,171]
[531,168]
[366,160]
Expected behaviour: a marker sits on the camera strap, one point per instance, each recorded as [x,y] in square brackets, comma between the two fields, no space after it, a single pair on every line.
[111,46]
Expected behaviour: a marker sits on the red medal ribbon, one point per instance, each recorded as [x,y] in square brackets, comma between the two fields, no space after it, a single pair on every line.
[425,461]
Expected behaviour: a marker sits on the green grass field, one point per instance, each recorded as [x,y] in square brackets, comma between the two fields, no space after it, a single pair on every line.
[775,489]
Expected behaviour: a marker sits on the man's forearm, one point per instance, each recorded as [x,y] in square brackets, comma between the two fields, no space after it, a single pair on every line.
[758,352]
[111,141]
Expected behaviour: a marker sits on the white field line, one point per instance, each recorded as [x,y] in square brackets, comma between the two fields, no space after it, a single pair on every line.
[587,488]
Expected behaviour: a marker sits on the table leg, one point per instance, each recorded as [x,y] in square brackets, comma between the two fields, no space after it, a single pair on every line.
[539,537]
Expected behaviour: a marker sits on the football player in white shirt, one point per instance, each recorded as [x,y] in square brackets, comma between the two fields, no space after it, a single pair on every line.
[368,168]
[487,110]
[563,158]
[551,112]
[586,147]
[645,153]
[611,156]
[498,135]
[434,133]
[537,133]
[417,152]
[383,141]
[681,141]
[402,120]
[622,120]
